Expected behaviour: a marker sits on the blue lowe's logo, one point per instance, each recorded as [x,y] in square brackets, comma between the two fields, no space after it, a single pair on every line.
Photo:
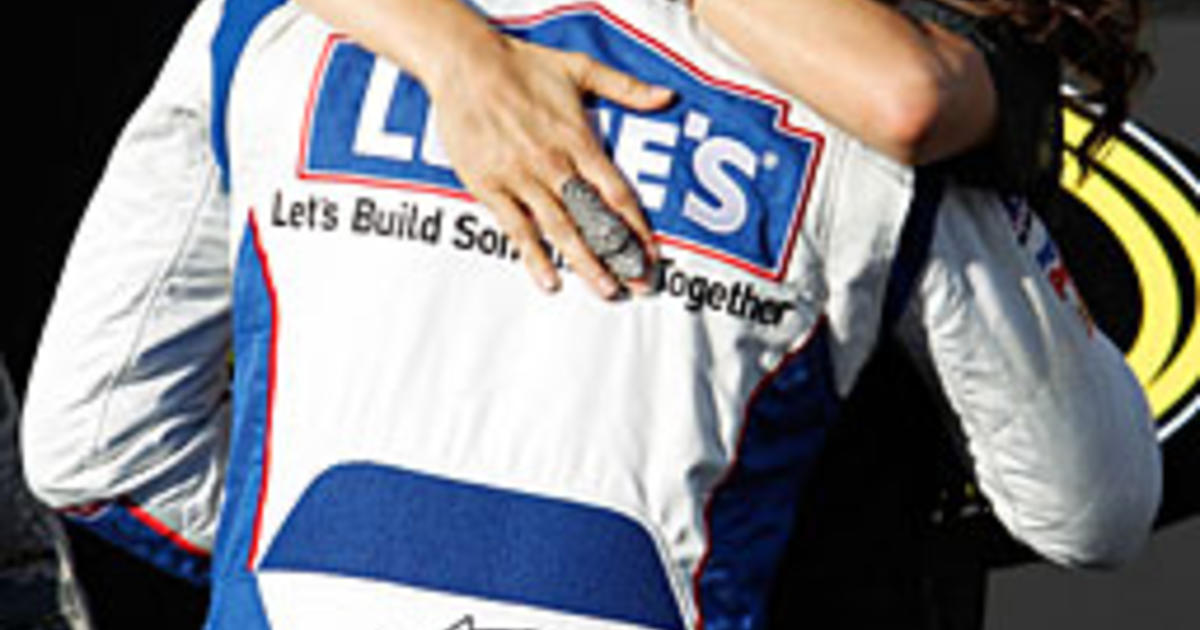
[719,172]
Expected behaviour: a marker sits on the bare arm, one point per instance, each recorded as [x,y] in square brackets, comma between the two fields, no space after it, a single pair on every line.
[414,33]
[917,93]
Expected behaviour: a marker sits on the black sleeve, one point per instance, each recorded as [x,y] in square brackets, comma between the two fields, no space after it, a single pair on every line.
[1024,155]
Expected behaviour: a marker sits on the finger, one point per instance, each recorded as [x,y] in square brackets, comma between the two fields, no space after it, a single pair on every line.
[595,167]
[554,169]
[520,228]
[616,86]
[556,225]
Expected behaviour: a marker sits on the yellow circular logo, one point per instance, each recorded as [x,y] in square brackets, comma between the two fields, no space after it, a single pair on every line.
[1146,196]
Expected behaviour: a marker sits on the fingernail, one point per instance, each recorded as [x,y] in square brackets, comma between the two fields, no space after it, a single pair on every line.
[661,91]
[608,286]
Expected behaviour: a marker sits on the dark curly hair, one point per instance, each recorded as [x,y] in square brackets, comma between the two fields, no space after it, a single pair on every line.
[1097,40]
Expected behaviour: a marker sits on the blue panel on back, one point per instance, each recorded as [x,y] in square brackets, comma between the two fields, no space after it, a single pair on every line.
[751,513]
[238,21]
[395,525]
[235,603]
[240,605]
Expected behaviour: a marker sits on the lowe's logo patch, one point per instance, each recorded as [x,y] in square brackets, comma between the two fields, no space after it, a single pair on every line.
[719,172]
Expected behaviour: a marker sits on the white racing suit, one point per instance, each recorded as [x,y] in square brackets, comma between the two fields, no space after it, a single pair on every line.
[422,439]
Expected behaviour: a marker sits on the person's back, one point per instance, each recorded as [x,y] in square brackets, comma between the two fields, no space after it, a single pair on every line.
[417,429]
[566,454]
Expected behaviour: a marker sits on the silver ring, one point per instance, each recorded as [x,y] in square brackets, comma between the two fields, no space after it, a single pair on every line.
[604,232]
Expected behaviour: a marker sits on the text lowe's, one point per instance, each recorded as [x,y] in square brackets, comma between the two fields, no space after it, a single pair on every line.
[718,171]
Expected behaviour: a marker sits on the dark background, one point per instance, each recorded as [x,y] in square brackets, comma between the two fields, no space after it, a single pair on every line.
[80,71]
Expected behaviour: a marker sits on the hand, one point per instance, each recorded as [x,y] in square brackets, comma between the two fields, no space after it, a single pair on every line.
[514,127]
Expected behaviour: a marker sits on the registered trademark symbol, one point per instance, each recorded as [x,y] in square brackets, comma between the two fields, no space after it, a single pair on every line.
[770,160]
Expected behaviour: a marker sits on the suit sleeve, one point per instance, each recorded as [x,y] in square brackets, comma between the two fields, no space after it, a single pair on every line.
[126,410]
[1053,421]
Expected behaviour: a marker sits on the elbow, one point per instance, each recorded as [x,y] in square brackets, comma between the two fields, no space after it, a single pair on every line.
[1119,509]
[53,483]
[905,116]
[54,459]
[1108,537]
[46,488]
[935,108]
[46,492]
[1092,500]
[1108,521]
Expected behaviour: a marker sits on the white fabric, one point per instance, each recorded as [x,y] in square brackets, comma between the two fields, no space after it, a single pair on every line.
[1057,426]
[126,397]
[450,362]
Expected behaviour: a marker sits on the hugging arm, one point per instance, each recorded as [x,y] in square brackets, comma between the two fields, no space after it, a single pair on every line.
[914,91]
[511,118]
[1054,423]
